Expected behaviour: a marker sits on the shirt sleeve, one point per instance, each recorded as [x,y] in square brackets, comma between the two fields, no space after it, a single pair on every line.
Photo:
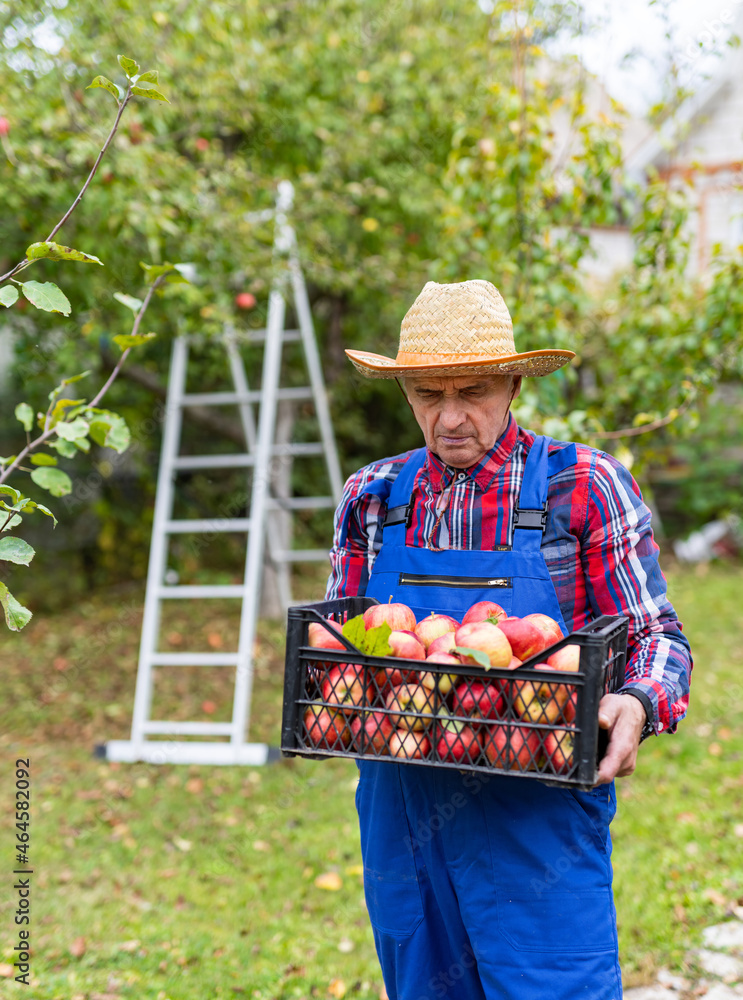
[623,576]
[357,538]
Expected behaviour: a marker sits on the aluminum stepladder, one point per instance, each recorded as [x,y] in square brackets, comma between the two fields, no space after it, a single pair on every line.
[262,449]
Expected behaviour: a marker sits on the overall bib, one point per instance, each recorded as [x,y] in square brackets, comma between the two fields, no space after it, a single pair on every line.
[483,887]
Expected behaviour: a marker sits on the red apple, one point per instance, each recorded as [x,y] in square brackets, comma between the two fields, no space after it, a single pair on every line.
[486,638]
[325,636]
[571,707]
[484,611]
[406,700]
[377,729]
[392,677]
[345,685]
[444,644]
[445,681]
[567,658]
[244,300]
[407,645]
[4,125]
[515,662]
[548,626]
[525,638]
[477,700]
[399,617]
[558,748]
[434,626]
[326,729]
[412,746]
[458,742]
[513,748]
[540,701]
[202,145]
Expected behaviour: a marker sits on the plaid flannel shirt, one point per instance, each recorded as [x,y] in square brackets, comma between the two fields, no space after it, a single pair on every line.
[598,545]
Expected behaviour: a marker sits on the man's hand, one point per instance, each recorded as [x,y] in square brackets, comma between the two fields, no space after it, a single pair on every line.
[624,717]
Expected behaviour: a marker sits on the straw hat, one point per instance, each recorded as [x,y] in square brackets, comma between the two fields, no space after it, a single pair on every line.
[458,329]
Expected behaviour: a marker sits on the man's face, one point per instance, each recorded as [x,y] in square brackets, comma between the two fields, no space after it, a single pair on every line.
[462,417]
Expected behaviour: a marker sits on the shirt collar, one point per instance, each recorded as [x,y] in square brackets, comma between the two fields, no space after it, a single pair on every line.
[483,472]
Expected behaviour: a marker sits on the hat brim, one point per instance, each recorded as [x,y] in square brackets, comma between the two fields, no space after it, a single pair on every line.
[528,363]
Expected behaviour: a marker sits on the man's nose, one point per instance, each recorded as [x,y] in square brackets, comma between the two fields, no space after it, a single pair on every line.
[452,413]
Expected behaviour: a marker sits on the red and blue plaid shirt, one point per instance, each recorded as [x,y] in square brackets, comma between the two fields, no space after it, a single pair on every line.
[598,545]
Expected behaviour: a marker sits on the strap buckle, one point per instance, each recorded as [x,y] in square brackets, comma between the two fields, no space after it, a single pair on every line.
[398,515]
[531,518]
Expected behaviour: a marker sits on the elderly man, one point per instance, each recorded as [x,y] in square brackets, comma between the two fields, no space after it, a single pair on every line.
[499,887]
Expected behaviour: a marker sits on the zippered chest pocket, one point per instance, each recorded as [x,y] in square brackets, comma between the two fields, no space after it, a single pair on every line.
[461,582]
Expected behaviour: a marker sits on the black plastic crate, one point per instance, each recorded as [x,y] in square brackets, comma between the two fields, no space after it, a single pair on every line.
[540,724]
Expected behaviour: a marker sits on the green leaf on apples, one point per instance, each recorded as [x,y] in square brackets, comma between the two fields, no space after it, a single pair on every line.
[477,655]
[371,642]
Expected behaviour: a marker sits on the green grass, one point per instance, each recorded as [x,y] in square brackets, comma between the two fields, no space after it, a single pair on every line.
[198,883]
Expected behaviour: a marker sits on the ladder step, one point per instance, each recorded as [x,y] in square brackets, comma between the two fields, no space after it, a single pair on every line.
[207,525]
[236,398]
[300,555]
[258,336]
[193,462]
[190,462]
[194,659]
[188,728]
[182,752]
[301,503]
[205,590]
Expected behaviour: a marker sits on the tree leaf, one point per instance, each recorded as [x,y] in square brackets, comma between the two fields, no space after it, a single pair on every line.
[149,77]
[154,271]
[16,550]
[105,84]
[57,482]
[129,301]
[47,296]
[31,505]
[8,295]
[373,641]
[125,340]
[477,655]
[66,448]
[110,430]
[11,492]
[25,415]
[55,251]
[15,520]
[129,66]
[150,91]
[70,431]
[16,615]
[41,458]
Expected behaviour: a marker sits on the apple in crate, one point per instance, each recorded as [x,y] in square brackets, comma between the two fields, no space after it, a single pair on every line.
[345,685]
[410,745]
[446,681]
[399,617]
[444,644]
[486,638]
[434,626]
[513,748]
[478,700]
[524,637]
[326,729]
[567,658]
[558,748]
[377,729]
[325,636]
[407,645]
[548,626]
[458,743]
[410,698]
[484,611]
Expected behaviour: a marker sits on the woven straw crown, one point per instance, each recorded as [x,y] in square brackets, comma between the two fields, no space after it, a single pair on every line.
[458,329]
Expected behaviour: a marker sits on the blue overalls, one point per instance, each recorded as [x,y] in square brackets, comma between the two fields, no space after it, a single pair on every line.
[484,886]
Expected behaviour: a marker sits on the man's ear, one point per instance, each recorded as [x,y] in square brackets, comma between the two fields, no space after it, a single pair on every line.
[516,388]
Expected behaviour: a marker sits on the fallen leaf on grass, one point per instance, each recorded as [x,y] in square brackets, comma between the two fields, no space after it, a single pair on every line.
[738,829]
[714,749]
[215,640]
[78,947]
[329,880]
[195,786]
[686,817]
[6,971]
[130,946]
[355,870]
[337,988]
[210,707]
[715,897]
[261,845]
[182,845]
[345,945]
[724,733]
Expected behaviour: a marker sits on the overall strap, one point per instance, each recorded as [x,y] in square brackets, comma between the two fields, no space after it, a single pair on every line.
[398,503]
[530,513]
